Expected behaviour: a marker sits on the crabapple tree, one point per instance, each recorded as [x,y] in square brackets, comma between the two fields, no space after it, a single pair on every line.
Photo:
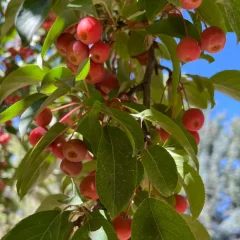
[96,105]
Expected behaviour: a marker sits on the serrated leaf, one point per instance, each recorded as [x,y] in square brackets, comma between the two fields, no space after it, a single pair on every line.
[227,82]
[198,230]
[170,126]
[116,170]
[83,70]
[211,14]
[28,116]
[90,127]
[137,42]
[31,16]
[171,45]
[65,20]
[24,76]
[121,44]
[42,225]
[161,169]
[35,159]
[193,186]
[153,8]
[130,126]
[9,16]
[173,27]
[157,220]
[52,76]
[19,107]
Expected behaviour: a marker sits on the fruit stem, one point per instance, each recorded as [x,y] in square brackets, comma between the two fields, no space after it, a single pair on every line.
[184,22]
[205,25]
[69,113]
[65,106]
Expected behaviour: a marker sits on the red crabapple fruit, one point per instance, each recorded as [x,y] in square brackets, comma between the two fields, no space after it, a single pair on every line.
[193,119]
[77,52]
[188,50]
[190,4]
[96,73]
[72,67]
[4,138]
[89,30]
[100,52]
[36,134]
[196,136]
[108,83]
[164,135]
[71,169]
[63,41]
[1,185]
[88,187]
[122,226]
[43,118]
[213,39]
[57,147]
[74,150]
[181,204]
[89,157]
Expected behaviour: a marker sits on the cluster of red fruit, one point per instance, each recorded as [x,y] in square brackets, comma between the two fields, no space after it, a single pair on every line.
[84,43]
[213,39]
[193,120]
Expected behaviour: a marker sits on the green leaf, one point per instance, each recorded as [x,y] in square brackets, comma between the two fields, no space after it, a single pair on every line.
[161,169]
[83,70]
[9,16]
[211,14]
[31,16]
[177,3]
[28,116]
[130,126]
[66,227]
[35,159]
[84,6]
[121,45]
[227,82]
[59,5]
[65,20]
[90,127]
[153,8]
[116,170]
[52,76]
[42,225]
[198,230]
[24,76]
[157,87]
[19,107]
[173,27]
[207,57]
[171,45]
[157,220]
[170,126]
[137,42]
[193,186]
[82,233]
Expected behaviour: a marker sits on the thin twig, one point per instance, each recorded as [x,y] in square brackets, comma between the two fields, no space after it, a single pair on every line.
[184,22]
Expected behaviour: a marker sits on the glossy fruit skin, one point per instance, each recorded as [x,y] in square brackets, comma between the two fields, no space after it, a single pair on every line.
[164,135]
[213,39]
[108,83]
[190,4]
[43,118]
[89,157]
[96,73]
[100,52]
[122,227]
[196,136]
[188,50]
[89,30]
[71,169]
[181,204]
[72,67]
[193,119]
[88,187]
[4,138]
[63,41]
[77,52]
[74,150]
[36,134]
[57,147]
